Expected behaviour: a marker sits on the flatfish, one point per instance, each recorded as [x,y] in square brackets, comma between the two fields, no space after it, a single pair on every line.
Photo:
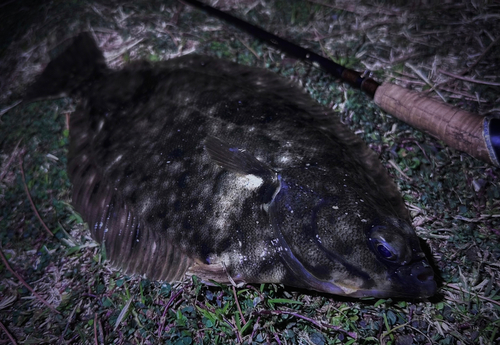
[202,166]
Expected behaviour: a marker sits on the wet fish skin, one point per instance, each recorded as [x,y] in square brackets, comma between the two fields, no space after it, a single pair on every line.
[202,166]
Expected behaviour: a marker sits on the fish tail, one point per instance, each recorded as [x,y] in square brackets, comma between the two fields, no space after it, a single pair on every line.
[80,63]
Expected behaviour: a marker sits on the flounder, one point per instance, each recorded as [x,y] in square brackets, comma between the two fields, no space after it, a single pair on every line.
[202,166]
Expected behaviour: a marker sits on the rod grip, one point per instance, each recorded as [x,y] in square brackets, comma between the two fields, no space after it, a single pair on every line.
[476,135]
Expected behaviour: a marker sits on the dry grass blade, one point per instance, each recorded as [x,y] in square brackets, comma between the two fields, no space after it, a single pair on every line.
[457,76]
[425,79]
[26,285]
[123,312]
[458,288]
[486,51]
[318,324]
[12,156]
[31,200]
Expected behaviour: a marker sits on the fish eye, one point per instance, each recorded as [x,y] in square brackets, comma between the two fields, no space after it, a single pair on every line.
[385,244]
[385,250]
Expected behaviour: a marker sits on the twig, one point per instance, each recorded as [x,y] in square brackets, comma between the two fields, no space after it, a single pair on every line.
[255,328]
[314,322]
[424,78]
[6,109]
[480,57]
[395,166]
[385,334]
[170,301]
[261,296]
[111,57]
[250,49]
[423,151]
[172,37]
[360,10]
[238,305]
[237,331]
[40,298]
[469,79]
[70,318]
[100,335]
[455,287]
[31,200]
[459,94]
[8,334]
[95,329]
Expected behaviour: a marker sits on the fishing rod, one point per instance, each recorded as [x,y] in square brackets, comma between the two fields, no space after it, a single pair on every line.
[477,135]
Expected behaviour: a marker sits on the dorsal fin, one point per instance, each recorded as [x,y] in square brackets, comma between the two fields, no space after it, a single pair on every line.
[130,244]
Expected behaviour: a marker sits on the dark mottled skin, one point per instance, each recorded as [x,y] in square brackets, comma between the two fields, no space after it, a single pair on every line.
[229,172]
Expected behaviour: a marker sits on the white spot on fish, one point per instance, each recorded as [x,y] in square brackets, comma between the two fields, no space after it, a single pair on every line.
[116,160]
[250,181]
[100,125]
[318,238]
[284,159]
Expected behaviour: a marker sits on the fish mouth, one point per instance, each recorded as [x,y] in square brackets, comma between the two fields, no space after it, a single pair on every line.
[414,281]
[411,281]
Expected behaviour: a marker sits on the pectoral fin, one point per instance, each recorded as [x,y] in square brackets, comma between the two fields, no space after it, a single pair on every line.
[241,162]
[235,159]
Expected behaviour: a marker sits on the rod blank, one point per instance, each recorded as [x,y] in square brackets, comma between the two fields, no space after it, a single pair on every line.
[474,134]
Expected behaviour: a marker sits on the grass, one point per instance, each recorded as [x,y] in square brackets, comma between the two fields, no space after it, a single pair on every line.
[453,198]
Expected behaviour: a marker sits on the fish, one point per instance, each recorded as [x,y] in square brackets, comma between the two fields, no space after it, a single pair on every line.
[201,166]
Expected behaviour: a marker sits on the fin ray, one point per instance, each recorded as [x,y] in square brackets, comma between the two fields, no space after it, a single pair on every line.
[235,159]
[129,245]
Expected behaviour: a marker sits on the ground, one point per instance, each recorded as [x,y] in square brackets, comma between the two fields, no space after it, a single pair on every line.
[444,49]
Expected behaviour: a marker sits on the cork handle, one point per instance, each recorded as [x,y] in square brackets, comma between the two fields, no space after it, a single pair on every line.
[459,129]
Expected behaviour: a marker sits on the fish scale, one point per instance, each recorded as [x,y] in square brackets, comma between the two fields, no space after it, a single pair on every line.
[202,166]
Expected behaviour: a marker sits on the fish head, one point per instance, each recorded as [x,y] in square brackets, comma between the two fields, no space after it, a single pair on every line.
[333,238]
[332,231]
